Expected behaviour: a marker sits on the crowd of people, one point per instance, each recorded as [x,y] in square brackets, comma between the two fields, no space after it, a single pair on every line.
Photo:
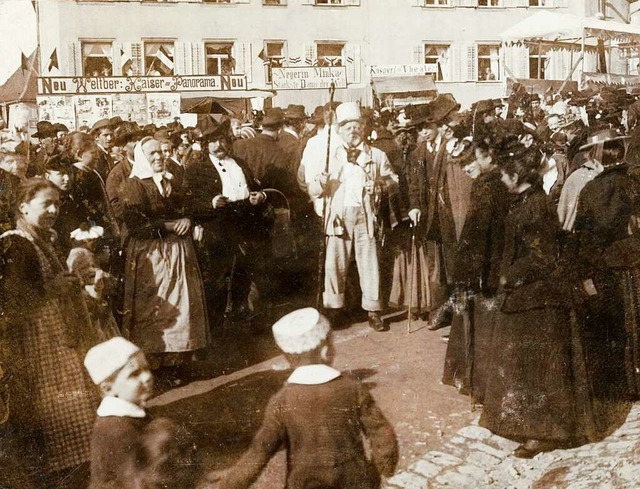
[514,222]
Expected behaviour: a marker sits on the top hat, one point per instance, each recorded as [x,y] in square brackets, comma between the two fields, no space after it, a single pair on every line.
[295,112]
[44,130]
[348,112]
[273,117]
[601,137]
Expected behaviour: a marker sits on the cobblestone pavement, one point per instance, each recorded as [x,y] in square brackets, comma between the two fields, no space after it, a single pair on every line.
[475,458]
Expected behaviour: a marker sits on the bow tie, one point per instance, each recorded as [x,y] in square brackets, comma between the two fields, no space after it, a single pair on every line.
[352,155]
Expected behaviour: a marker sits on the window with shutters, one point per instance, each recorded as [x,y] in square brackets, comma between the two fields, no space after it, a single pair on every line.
[273,56]
[274,2]
[218,57]
[216,1]
[330,2]
[97,58]
[489,3]
[329,53]
[158,58]
[538,63]
[488,62]
[436,55]
[541,3]
[436,3]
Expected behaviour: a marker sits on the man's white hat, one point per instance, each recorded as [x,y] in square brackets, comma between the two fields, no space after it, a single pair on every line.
[108,357]
[348,112]
[301,331]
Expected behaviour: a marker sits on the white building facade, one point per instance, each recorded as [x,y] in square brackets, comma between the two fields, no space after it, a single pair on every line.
[458,39]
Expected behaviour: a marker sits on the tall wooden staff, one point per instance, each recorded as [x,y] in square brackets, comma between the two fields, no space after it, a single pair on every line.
[323,250]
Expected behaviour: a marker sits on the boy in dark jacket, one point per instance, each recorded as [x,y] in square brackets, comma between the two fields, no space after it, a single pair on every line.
[128,448]
[320,416]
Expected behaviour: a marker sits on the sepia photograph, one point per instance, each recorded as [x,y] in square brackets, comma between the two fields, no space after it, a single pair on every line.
[319,244]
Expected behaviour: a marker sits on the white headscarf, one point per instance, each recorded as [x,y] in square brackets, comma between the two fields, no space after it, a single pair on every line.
[142,169]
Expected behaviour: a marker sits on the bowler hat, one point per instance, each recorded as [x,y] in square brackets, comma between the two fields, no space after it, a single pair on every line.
[295,112]
[273,117]
[601,137]
[44,129]
[317,117]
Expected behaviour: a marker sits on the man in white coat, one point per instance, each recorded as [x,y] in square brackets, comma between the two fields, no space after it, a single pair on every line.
[352,188]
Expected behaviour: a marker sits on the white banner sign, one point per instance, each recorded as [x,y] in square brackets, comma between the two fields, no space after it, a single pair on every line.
[402,70]
[139,84]
[308,78]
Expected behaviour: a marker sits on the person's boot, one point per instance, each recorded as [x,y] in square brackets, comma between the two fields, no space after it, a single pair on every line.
[376,322]
[442,317]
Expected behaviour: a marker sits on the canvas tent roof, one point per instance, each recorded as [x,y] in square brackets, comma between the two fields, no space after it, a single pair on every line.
[404,84]
[567,28]
[20,87]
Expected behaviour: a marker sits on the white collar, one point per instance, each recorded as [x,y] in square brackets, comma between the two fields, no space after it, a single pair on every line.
[313,374]
[216,160]
[114,406]
[292,132]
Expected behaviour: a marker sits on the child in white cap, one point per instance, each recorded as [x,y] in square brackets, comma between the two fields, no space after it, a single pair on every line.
[320,415]
[120,454]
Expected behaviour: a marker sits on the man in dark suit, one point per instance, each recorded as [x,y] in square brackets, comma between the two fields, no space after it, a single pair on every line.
[267,160]
[289,138]
[102,132]
[226,199]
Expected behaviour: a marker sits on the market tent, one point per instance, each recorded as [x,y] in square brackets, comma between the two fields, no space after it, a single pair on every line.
[567,28]
[405,90]
[20,87]
[223,102]
[558,31]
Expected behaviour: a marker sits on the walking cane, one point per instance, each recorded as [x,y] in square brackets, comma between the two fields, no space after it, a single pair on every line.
[411,269]
[323,250]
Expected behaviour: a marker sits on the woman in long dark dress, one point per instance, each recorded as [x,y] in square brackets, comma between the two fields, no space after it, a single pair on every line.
[475,277]
[533,395]
[164,299]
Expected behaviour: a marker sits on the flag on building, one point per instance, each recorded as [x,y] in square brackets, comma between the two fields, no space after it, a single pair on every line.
[53,60]
[165,59]
[25,63]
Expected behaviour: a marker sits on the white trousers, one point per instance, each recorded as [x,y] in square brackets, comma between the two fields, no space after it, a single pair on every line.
[338,256]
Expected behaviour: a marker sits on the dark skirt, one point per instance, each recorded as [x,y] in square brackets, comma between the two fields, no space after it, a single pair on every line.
[469,351]
[532,393]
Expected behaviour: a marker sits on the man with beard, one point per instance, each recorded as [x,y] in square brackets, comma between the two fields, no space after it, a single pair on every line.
[226,199]
[351,188]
